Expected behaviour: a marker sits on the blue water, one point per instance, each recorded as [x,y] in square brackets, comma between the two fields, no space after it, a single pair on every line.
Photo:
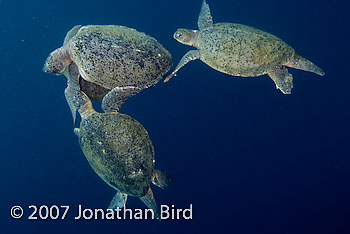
[250,159]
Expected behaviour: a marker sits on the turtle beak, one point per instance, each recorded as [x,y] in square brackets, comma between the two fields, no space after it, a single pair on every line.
[53,66]
[57,62]
[48,66]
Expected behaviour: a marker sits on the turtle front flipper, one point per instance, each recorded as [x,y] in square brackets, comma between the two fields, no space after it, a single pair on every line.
[118,200]
[205,20]
[188,57]
[83,104]
[72,75]
[150,202]
[283,79]
[301,63]
[115,98]
[68,93]
[71,34]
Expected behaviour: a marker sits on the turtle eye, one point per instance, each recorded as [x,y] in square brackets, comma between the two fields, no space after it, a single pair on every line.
[178,35]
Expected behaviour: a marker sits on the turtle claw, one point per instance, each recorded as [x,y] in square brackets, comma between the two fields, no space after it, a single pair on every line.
[77,131]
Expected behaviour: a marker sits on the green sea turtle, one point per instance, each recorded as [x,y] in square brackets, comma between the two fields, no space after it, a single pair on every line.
[240,50]
[120,151]
[118,59]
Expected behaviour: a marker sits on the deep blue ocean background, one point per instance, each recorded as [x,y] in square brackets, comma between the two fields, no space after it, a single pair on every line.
[250,159]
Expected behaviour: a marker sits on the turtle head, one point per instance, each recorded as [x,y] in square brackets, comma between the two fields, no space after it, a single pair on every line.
[57,61]
[186,36]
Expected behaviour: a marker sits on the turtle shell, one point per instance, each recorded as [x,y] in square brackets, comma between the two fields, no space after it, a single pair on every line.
[116,56]
[119,150]
[241,50]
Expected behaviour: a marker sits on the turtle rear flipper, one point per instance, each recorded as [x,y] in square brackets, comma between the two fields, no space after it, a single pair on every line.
[301,63]
[283,79]
[150,202]
[118,200]
[161,179]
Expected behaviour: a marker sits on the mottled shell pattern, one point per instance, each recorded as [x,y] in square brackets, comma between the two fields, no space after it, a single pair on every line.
[241,50]
[119,150]
[111,56]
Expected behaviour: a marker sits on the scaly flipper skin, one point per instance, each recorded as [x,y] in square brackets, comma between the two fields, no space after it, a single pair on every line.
[71,34]
[116,98]
[301,63]
[188,57]
[205,19]
[282,79]
[150,202]
[72,75]
[68,93]
[118,200]
[82,103]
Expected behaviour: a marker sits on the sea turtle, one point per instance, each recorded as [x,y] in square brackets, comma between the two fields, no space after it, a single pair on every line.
[120,151]
[240,50]
[120,60]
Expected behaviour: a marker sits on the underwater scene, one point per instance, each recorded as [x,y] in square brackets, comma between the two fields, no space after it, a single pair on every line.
[180,116]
